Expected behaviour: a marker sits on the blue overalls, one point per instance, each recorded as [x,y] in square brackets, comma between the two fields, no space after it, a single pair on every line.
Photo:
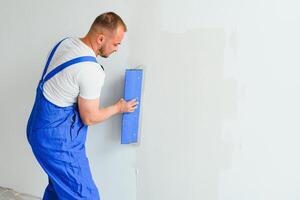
[57,137]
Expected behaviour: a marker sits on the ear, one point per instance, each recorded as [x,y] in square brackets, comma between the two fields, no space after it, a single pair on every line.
[100,39]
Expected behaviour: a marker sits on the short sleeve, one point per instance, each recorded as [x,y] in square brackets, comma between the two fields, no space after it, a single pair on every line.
[90,81]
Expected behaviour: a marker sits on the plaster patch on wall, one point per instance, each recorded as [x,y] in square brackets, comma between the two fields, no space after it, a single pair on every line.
[188,99]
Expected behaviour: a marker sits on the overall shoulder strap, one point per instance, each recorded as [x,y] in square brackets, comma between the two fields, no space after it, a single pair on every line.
[50,58]
[68,63]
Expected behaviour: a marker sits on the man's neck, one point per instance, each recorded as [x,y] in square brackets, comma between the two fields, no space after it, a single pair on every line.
[88,42]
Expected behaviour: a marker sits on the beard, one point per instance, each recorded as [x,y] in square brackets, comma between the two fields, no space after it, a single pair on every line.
[101,52]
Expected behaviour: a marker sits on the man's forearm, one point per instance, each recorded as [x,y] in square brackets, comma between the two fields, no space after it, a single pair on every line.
[90,112]
[103,114]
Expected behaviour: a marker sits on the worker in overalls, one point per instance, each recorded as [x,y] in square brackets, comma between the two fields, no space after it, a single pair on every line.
[67,102]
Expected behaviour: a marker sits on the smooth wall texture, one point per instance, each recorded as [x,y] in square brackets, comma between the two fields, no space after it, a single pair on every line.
[220,110]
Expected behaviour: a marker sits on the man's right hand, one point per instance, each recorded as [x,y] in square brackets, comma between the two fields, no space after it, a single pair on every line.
[128,106]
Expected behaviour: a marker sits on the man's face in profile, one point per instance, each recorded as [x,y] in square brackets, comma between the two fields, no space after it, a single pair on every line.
[111,42]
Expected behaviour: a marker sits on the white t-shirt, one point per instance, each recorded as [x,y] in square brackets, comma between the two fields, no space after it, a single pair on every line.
[84,79]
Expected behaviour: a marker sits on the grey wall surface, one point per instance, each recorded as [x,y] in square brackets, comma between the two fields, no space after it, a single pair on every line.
[220,108]
[29,29]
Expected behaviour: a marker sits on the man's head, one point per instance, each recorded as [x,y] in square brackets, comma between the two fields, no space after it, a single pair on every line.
[106,33]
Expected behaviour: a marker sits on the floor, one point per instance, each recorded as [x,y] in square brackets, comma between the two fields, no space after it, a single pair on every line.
[10,194]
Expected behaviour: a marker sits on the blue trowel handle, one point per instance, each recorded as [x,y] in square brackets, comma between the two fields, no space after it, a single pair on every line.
[132,90]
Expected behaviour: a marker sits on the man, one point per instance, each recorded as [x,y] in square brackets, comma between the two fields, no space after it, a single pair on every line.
[67,102]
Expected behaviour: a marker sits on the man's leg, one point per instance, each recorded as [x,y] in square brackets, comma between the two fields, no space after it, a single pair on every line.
[70,179]
[50,193]
[80,179]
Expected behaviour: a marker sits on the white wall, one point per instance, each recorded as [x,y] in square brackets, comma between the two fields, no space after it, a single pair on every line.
[220,107]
